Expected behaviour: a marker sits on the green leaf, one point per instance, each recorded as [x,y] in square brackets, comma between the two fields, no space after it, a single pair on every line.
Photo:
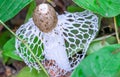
[74,8]
[9,50]
[100,42]
[118,20]
[4,37]
[30,10]
[9,8]
[26,72]
[94,46]
[117,26]
[106,8]
[103,63]
[111,40]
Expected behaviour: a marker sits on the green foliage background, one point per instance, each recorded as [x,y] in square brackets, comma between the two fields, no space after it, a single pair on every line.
[103,60]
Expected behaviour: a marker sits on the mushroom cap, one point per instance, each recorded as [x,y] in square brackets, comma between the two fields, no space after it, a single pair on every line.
[45,17]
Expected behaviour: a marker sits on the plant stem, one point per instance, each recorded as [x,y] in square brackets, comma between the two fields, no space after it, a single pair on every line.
[116,30]
[52,3]
[27,46]
[103,37]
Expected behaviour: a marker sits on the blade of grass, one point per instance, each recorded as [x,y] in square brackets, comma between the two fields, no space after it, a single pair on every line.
[116,30]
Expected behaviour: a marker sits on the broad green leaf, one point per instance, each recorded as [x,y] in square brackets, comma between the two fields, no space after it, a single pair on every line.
[9,8]
[30,10]
[9,50]
[26,72]
[103,63]
[94,46]
[106,8]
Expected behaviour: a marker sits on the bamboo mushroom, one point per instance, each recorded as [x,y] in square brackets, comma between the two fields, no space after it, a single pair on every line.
[63,46]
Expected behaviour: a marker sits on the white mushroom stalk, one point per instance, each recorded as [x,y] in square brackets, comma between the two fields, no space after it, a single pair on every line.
[61,49]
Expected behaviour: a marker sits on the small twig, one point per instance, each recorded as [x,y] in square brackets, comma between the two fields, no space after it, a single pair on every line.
[27,46]
[116,31]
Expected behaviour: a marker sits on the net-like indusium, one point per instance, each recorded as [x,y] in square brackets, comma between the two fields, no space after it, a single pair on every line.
[64,47]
